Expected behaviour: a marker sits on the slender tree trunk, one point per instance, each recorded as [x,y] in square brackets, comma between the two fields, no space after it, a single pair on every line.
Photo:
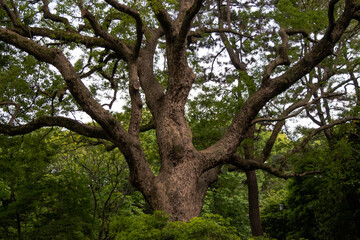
[101,230]
[253,192]
[357,89]
[18,225]
[253,197]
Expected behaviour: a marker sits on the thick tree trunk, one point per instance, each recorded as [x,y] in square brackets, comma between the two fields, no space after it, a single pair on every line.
[178,194]
[181,185]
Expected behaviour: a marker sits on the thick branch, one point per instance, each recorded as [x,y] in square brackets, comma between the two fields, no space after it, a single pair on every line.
[139,24]
[153,90]
[150,125]
[141,174]
[48,121]
[163,17]
[186,23]
[49,15]
[74,84]
[118,46]
[136,103]
[234,135]
[16,12]
[66,36]
[282,59]
[13,16]
[331,10]
[248,165]
[357,16]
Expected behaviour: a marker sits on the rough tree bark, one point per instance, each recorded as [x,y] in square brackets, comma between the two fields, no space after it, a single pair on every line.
[253,191]
[254,209]
[185,173]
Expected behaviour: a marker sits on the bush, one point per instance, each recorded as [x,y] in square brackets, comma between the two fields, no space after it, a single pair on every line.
[159,226]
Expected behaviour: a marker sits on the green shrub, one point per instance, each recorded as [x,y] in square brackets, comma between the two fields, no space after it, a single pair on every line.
[159,226]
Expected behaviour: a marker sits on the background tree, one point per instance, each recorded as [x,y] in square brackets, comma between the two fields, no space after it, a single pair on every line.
[326,205]
[119,45]
[36,201]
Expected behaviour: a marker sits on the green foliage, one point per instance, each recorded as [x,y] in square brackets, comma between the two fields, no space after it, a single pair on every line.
[307,15]
[325,205]
[106,177]
[50,186]
[228,198]
[274,220]
[35,201]
[158,226]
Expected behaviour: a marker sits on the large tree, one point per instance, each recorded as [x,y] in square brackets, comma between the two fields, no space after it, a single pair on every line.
[121,43]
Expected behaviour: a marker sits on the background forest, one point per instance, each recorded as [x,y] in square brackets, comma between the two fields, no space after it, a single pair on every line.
[179,119]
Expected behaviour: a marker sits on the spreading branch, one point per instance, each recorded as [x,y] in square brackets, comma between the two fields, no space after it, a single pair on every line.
[201,31]
[49,121]
[249,165]
[74,84]
[270,88]
[163,17]
[320,129]
[302,105]
[117,45]
[282,59]
[234,58]
[14,16]
[55,18]
[139,24]
[67,37]
[186,23]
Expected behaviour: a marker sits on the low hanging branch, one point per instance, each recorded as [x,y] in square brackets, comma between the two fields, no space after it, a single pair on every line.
[303,105]
[49,121]
[252,164]
[248,165]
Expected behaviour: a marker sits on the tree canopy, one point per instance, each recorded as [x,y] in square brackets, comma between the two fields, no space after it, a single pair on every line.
[206,76]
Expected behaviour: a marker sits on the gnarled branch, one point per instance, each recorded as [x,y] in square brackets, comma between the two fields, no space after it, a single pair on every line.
[53,17]
[186,23]
[248,165]
[139,24]
[117,45]
[282,59]
[227,145]
[49,121]
[163,17]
